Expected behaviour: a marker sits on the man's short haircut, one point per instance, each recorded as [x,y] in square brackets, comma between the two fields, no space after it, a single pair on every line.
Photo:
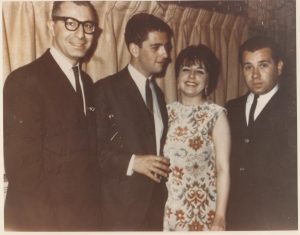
[57,4]
[140,25]
[259,42]
[200,54]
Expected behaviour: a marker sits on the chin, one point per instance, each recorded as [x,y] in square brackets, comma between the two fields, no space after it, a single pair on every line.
[78,56]
[191,94]
[158,71]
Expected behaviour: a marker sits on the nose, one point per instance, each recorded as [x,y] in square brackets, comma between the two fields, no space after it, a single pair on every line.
[192,73]
[255,73]
[80,32]
[164,52]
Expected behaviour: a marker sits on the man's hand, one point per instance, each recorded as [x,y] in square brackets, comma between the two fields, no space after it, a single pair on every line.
[152,166]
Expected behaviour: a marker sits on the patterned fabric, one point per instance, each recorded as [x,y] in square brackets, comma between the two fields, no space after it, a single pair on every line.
[191,186]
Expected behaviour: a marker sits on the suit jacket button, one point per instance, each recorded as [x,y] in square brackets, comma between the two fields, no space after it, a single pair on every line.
[242,169]
[246,141]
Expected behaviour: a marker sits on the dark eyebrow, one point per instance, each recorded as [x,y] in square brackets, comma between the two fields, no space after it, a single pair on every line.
[156,44]
[68,17]
[260,62]
[264,61]
[247,63]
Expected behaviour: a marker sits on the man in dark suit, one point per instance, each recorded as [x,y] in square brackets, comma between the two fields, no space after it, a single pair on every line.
[131,129]
[263,127]
[48,122]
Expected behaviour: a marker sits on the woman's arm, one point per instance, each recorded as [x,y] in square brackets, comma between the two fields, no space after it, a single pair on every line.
[221,139]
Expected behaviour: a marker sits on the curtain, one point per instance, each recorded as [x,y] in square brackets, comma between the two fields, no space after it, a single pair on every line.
[26,37]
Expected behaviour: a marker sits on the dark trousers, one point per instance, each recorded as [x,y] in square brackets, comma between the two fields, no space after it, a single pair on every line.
[153,220]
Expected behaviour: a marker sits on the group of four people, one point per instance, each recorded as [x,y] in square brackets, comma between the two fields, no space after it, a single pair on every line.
[113,156]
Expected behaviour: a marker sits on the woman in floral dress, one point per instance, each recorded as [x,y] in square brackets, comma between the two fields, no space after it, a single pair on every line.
[198,146]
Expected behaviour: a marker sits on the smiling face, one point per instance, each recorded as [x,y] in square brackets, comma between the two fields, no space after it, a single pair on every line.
[73,44]
[152,56]
[192,81]
[261,72]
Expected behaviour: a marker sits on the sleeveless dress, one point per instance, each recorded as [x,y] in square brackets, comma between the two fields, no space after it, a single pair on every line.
[191,202]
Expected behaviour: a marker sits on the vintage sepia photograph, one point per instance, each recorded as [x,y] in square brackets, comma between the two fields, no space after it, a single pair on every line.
[149,116]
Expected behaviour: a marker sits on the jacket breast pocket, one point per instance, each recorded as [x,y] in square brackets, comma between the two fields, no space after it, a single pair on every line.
[114,137]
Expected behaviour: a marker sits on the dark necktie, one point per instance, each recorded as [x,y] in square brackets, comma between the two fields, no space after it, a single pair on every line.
[252,110]
[78,88]
[149,102]
[149,99]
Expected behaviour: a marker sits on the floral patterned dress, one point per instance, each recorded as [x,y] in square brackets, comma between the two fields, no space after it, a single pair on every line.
[191,185]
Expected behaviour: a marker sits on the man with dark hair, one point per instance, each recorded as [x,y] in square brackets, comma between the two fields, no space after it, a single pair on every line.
[131,129]
[263,125]
[57,7]
[140,25]
[48,120]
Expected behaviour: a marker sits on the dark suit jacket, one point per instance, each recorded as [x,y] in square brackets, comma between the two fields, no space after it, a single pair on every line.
[124,127]
[47,151]
[263,192]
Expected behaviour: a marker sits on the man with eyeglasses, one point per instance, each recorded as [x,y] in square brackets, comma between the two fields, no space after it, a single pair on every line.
[48,123]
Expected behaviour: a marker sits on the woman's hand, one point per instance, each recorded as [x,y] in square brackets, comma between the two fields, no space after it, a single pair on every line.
[218,224]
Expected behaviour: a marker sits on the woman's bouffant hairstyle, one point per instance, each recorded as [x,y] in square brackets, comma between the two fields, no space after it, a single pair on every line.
[200,54]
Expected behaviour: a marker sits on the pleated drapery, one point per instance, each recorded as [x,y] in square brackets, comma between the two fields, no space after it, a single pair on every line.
[26,37]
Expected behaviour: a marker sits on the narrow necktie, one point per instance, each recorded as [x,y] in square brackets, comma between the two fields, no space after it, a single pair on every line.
[149,102]
[149,99]
[78,88]
[252,110]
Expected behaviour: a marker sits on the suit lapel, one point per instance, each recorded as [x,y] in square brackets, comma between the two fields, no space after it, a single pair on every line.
[267,109]
[239,113]
[262,115]
[58,74]
[162,104]
[243,113]
[134,110]
[65,95]
[164,115]
[131,97]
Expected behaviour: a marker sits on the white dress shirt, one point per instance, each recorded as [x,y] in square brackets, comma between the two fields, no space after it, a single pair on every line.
[140,81]
[66,67]
[262,101]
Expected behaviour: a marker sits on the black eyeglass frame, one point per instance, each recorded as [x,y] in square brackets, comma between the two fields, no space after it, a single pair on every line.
[65,18]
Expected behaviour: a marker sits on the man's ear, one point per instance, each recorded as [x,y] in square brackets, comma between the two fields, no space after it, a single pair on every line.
[50,24]
[280,65]
[134,49]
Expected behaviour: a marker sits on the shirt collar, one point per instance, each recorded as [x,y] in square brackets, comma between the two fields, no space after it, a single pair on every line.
[61,60]
[138,77]
[266,96]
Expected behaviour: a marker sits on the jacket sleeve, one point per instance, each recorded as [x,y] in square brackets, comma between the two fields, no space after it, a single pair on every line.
[23,132]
